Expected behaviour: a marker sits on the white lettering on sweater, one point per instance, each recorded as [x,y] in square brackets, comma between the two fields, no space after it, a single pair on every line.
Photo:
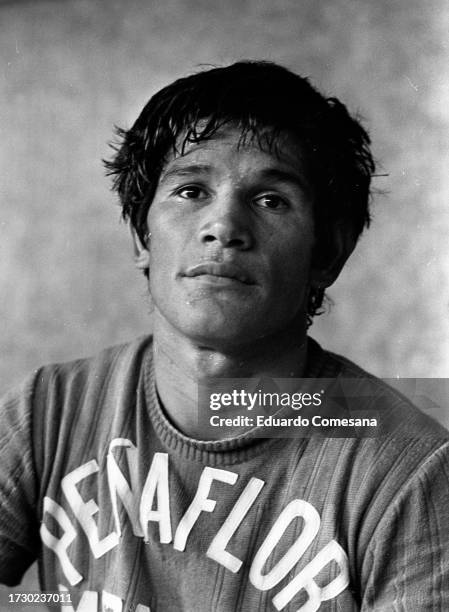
[152,505]
[119,487]
[295,508]
[59,545]
[200,503]
[217,549]
[84,511]
[306,579]
[156,482]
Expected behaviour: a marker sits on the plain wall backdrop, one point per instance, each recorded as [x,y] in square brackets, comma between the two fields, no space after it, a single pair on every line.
[71,69]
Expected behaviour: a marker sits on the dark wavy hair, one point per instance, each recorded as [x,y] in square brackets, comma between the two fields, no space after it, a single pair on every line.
[257,97]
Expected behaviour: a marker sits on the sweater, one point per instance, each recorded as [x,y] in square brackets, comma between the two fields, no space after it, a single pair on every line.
[125,513]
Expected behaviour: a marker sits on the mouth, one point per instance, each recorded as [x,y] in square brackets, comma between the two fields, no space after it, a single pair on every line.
[220,273]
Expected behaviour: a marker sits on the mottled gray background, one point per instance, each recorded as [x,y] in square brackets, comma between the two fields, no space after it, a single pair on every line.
[71,69]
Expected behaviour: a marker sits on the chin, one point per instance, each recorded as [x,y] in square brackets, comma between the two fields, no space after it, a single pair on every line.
[229,328]
[212,330]
[228,335]
[214,335]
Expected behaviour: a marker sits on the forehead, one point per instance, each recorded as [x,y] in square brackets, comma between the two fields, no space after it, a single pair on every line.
[260,149]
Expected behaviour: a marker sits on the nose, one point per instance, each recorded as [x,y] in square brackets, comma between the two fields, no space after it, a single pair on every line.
[227,225]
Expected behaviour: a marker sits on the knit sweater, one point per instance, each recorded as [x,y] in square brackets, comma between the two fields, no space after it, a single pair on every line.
[125,513]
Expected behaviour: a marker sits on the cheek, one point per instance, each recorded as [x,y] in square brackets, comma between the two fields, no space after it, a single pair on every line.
[162,266]
[168,243]
[293,256]
[291,276]
[159,252]
[169,226]
[162,239]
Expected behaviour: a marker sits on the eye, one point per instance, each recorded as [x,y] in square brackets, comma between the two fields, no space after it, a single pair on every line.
[271,201]
[190,192]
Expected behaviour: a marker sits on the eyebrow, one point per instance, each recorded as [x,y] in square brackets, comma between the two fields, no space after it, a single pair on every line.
[178,170]
[279,175]
[273,174]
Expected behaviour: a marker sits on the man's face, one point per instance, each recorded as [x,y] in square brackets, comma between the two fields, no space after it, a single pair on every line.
[231,240]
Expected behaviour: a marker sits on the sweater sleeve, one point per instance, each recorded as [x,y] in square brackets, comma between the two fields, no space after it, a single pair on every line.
[19,541]
[406,566]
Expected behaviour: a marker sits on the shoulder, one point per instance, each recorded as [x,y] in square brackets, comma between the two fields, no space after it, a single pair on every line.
[89,390]
[50,384]
[55,391]
[115,363]
[407,447]
[80,399]
[400,416]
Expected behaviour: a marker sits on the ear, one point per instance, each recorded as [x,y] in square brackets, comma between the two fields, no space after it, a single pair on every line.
[330,256]
[141,252]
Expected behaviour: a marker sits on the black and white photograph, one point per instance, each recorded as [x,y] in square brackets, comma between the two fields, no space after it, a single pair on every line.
[224,271]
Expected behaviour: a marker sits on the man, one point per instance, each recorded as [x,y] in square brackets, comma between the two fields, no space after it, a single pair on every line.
[246,191]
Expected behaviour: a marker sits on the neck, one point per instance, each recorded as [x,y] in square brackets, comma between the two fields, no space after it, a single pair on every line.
[181,364]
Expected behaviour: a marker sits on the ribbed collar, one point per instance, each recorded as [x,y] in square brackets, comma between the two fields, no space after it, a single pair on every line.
[232,450]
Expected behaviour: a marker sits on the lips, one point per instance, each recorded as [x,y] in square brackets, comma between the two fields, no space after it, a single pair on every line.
[219,270]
